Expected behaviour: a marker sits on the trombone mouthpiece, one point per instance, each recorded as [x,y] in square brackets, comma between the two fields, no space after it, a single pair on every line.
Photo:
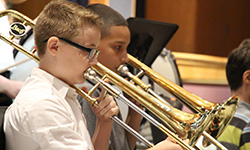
[90,74]
[122,70]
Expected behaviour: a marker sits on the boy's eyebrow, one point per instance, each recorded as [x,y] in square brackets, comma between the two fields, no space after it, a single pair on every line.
[90,44]
[120,42]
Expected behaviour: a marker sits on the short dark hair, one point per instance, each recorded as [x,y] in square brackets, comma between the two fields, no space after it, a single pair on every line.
[245,43]
[109,16]
[238,62]
[63,19]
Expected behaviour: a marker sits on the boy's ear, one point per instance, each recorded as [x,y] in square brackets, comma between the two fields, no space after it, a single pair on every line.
[246,76]
[52,45]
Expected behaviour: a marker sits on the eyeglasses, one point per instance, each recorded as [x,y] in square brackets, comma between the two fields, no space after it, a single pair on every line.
[92,53]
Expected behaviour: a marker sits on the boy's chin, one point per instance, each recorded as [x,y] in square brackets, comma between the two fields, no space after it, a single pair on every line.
[81,81]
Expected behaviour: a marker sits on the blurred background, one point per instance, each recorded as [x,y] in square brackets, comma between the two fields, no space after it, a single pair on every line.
[208,31]
[205,27]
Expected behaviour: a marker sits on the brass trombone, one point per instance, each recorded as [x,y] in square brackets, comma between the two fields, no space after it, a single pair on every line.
[223,113]
[182,125]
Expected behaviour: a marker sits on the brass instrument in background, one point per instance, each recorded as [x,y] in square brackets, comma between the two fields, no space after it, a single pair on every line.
[180,125]
[223,113]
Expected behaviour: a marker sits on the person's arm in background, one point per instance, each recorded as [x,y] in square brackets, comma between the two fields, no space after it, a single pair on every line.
[10,87]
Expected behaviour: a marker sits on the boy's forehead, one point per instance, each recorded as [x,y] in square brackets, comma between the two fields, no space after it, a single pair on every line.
[119,32]
[89,36]
[88,29]
[119,29]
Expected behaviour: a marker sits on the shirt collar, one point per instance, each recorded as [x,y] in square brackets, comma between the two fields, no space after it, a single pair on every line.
[245,104]
[63,88]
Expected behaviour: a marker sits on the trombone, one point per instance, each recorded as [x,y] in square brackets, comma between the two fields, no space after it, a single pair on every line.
[182,125]
[223,113]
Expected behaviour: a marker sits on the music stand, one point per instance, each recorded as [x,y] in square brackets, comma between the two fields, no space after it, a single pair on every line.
[148,38]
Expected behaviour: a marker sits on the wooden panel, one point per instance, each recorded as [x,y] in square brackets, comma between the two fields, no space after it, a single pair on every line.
[179,12]
[31,8]
[201,69]
[205,27]
[221,25]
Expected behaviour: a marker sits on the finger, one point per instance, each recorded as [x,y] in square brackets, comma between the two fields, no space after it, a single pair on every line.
[109,111]
[102,95]
[105,112]
[103,103]
[170,139]
[103,92]
[112,112]
[85,89]
[107,104]
[106,80]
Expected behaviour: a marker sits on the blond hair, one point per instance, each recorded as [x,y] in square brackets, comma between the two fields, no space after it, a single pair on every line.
[62,18]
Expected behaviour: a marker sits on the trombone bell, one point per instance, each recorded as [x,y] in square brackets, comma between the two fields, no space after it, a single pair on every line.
[223,113]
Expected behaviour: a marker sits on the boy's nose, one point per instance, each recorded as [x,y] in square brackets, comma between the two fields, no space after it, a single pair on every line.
[124,57]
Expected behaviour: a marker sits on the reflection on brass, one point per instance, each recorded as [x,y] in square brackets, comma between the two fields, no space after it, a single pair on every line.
[222,113]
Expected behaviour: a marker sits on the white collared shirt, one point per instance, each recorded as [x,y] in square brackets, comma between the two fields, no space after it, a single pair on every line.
[46,115]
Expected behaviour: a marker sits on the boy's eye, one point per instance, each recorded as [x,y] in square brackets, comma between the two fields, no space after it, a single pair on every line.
[118,47]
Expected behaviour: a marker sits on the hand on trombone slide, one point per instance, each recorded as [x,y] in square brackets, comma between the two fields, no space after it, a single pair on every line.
[106,108]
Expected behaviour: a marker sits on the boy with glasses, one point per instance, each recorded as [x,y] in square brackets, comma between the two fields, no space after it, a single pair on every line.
[46,113]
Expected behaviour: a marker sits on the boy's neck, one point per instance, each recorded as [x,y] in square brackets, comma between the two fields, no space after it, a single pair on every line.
[242,94]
